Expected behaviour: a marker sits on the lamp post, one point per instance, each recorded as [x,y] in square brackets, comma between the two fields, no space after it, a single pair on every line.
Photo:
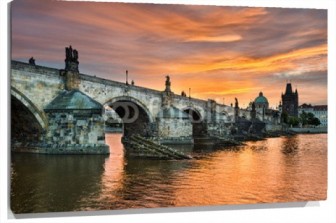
[126,77]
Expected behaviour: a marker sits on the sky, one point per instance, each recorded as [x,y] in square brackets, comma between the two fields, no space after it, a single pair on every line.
[219,52]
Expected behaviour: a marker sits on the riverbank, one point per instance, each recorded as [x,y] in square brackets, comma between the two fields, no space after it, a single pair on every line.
[240,139]
[310,130]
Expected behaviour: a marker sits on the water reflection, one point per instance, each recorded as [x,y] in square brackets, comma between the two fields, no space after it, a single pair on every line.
[273,170]
[290,145]
[42,183]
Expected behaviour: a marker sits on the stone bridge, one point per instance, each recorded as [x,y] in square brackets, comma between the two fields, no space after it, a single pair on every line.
[59,108]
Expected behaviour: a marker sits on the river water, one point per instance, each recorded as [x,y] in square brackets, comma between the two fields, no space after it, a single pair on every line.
[280,169]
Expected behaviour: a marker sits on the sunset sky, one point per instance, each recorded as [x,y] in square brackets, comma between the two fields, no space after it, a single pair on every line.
[219,52]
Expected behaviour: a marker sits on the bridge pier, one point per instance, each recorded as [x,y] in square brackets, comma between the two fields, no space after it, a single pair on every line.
[75,121]
[173,125]
[75,125]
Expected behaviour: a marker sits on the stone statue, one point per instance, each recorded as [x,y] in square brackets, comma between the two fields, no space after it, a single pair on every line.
[253,112]
[32,61]
[253,106]
[70,54]
[167,79]
[75,55]
[168,83]
[236,103]
[71,59]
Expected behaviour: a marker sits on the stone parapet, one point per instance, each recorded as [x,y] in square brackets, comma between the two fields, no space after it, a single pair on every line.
[36,69]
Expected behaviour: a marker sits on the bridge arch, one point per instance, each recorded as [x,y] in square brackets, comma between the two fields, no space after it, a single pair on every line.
[133,100]
[135,116]
[194,114]
[27,122]
[196,120]
[40,117]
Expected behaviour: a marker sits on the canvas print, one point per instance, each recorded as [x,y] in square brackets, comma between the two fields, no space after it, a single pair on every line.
[127,105]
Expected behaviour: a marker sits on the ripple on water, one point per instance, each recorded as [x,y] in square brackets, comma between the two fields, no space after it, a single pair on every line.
[272,170]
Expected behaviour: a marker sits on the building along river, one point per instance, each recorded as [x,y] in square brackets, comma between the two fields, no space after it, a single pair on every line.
[283,169]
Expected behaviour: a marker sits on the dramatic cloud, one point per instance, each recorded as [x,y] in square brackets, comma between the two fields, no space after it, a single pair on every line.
[219,52]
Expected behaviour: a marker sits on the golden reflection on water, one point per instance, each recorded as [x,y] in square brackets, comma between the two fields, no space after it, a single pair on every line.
[113,176]
[273,170]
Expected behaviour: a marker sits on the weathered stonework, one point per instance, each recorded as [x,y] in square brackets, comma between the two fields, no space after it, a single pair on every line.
[218,129]
[75,124]
[38,84]
[174,126]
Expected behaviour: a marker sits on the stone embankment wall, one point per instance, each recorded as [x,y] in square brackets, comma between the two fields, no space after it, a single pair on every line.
[310,130]
[273,127]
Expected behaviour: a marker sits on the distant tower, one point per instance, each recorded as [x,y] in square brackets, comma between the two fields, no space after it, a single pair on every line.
[290,101]
[261,102]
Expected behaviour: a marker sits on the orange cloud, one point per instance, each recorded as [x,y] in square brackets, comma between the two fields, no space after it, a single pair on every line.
[225,38]
[217,51]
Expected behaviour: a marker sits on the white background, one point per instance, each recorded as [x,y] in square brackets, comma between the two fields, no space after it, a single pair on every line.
[310,212]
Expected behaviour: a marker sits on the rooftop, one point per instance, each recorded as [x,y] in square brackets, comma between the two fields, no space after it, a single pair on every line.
[261,98]
[321,107]
[73,100]
[314,107]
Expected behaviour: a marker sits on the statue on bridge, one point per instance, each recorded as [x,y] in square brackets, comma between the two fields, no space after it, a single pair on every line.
[253,106]
[167,96]
[32,61]
[167,83]
[70,54]
[236,110]
[71,59]
[253,111]
[75,55]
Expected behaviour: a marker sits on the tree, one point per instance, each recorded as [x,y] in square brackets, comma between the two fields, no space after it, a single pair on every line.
[309,119]
[284,117]
[315,121]
[304,118]
[293,121]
